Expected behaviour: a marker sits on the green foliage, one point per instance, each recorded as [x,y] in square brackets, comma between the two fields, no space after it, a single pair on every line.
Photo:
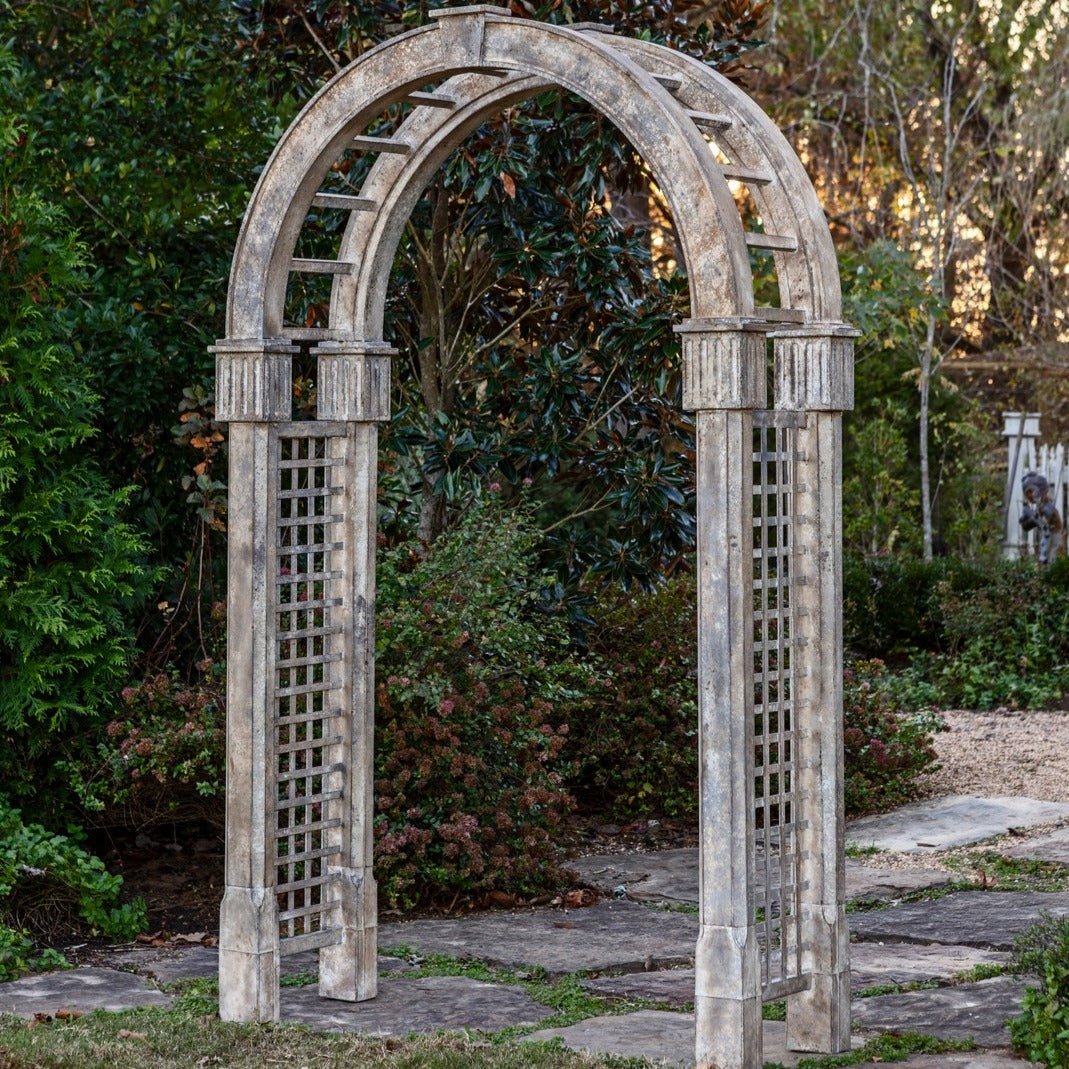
[48,882]
[885,748]
[468,772]
[1042,1030]
[634,734]
[69,569]
[19,955]
[880,500]
[149,128]
[978,635]
[163,756]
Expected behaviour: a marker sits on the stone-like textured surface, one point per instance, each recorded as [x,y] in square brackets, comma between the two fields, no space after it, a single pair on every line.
[871,965]
[167,965]
[968,1011]
[1051,847]
[942,823]
[84,990]
[970,918]
[979,1059]
[672,876]
[424,1005]
[619,936]
[659,1035]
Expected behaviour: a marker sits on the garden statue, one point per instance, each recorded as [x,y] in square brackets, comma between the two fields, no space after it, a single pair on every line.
[302,519]
[1040,514]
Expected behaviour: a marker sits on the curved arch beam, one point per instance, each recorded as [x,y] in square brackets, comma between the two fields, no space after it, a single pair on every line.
[645,112]
[808,275]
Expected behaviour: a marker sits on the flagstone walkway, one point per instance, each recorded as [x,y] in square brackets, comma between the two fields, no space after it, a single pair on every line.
[637,943]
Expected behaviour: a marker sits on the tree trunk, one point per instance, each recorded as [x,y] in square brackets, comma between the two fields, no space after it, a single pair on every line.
[924,386]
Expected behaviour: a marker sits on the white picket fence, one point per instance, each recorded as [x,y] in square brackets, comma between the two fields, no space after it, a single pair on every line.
[1021,431]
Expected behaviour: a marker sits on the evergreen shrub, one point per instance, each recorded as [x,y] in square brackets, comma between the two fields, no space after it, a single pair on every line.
[69,566]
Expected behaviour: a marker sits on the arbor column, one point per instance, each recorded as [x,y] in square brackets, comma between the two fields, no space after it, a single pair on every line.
[354,386]
[252,391]
[724,381]
[815,374]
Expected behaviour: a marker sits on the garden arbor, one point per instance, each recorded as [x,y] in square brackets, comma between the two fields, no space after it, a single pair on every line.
[300,693]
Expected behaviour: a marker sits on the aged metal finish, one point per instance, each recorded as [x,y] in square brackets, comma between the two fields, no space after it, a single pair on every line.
[302,517]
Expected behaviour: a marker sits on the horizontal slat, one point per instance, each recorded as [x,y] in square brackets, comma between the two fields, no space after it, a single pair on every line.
[305,688]
[671,82]
[757,240]
[778,989]
[307,521]
[707,119]
[315,334]
[302,885]
[307,577]
[321,267]
[745,174]
[381,144]
[307,773]
[772,418]
[309,547]
[432,100]
[781,315]
[297,719]
[309,632]
[294,944]
[306,606]
[315,799]
[308,744]
[345,202]
[309,855]
[309,491]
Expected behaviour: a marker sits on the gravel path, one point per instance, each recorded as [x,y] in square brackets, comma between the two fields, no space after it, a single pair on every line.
[1002,753]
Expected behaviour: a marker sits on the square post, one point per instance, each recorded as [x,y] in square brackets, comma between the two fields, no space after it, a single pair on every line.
[814,374]
[354,386]
[724,380]
[252,391]
[1021,431]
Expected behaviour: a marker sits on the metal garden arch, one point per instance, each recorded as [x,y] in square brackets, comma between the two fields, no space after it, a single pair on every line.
[300,692]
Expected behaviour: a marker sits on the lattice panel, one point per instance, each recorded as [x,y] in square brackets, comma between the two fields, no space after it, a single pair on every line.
[309,648]
[775,784]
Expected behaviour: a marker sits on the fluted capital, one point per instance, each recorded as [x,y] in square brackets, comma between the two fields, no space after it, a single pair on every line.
[353,381]
[815,367]
[253,380]
[723,364]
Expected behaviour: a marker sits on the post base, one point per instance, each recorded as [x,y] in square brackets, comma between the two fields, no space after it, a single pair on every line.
[818,1020]
[348,970]
[248,955]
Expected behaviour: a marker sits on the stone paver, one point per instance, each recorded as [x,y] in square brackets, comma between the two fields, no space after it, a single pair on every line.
[871,965]
[968,1011]
[616,936]
[167,965]
[957,820]
[84,990]
[1053,846]
[875,964]
[671,876]
[979,1059]
[969,918]
[416,1005]
[659,1035]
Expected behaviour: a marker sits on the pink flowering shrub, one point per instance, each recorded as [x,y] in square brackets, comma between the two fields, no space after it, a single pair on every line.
[469,776]
[886,749]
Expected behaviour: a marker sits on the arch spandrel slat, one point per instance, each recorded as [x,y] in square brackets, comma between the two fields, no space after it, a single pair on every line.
[809,277]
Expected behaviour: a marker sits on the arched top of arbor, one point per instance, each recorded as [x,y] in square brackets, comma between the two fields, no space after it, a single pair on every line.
[479,60]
